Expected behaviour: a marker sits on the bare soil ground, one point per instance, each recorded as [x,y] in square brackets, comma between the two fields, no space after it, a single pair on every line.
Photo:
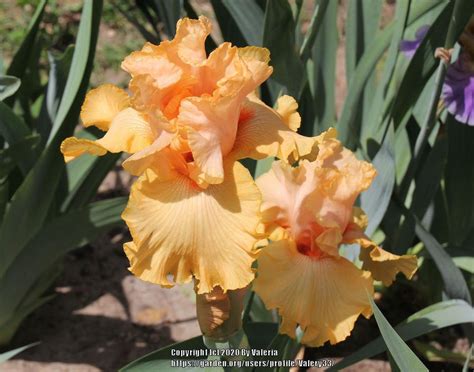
[102,317]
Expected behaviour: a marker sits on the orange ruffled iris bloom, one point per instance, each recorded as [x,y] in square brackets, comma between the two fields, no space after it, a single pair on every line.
[194,211]
[309,212]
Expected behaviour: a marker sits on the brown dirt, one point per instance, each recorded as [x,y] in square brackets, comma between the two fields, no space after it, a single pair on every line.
[102,317]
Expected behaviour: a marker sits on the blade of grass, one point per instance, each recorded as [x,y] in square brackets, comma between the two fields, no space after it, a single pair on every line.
[454,284]
[427,184]
[137,23]
[228,25]
[433,354]
[14,155]
[58,72]
[361,27]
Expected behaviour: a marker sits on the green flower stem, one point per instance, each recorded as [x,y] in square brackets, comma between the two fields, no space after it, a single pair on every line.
[248,307]
[236,341]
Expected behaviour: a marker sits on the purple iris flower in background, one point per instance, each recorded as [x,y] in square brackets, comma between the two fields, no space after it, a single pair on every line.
[458,88]
[409,47]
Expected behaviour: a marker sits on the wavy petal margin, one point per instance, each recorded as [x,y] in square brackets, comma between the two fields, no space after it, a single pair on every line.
[383,265]
[180,230]
[324,297]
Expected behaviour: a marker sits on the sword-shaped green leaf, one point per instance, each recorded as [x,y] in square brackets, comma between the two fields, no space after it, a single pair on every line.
[434,317]
[405,359]
[27,211]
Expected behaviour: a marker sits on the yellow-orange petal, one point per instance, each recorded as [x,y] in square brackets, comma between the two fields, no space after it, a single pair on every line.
[212,126]
[129,131]
[208,158]
[73,147]
[262,133]
[360,218]
[181,230]
[286,192]
[150,157]
[174,65]
[288,327]
[287,107]
[347,176]
[329,240]
[383,265]
[102,104]
[163,72]
[341,177]
[256,59]
[325,297]
[190,37]
[223,73]
[276,232]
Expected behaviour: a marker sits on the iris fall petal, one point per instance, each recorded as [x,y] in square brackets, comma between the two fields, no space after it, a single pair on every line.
[324,297]
[182,231]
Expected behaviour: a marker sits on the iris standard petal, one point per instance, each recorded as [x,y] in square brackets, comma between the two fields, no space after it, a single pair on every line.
[212,126]
[102,104]
[262,132]
[287,107]
[73,147]
[129,131]
[155,156]
[190,38]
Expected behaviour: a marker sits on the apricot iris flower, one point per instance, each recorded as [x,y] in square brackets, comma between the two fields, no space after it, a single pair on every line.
[309,212]
[194,211]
